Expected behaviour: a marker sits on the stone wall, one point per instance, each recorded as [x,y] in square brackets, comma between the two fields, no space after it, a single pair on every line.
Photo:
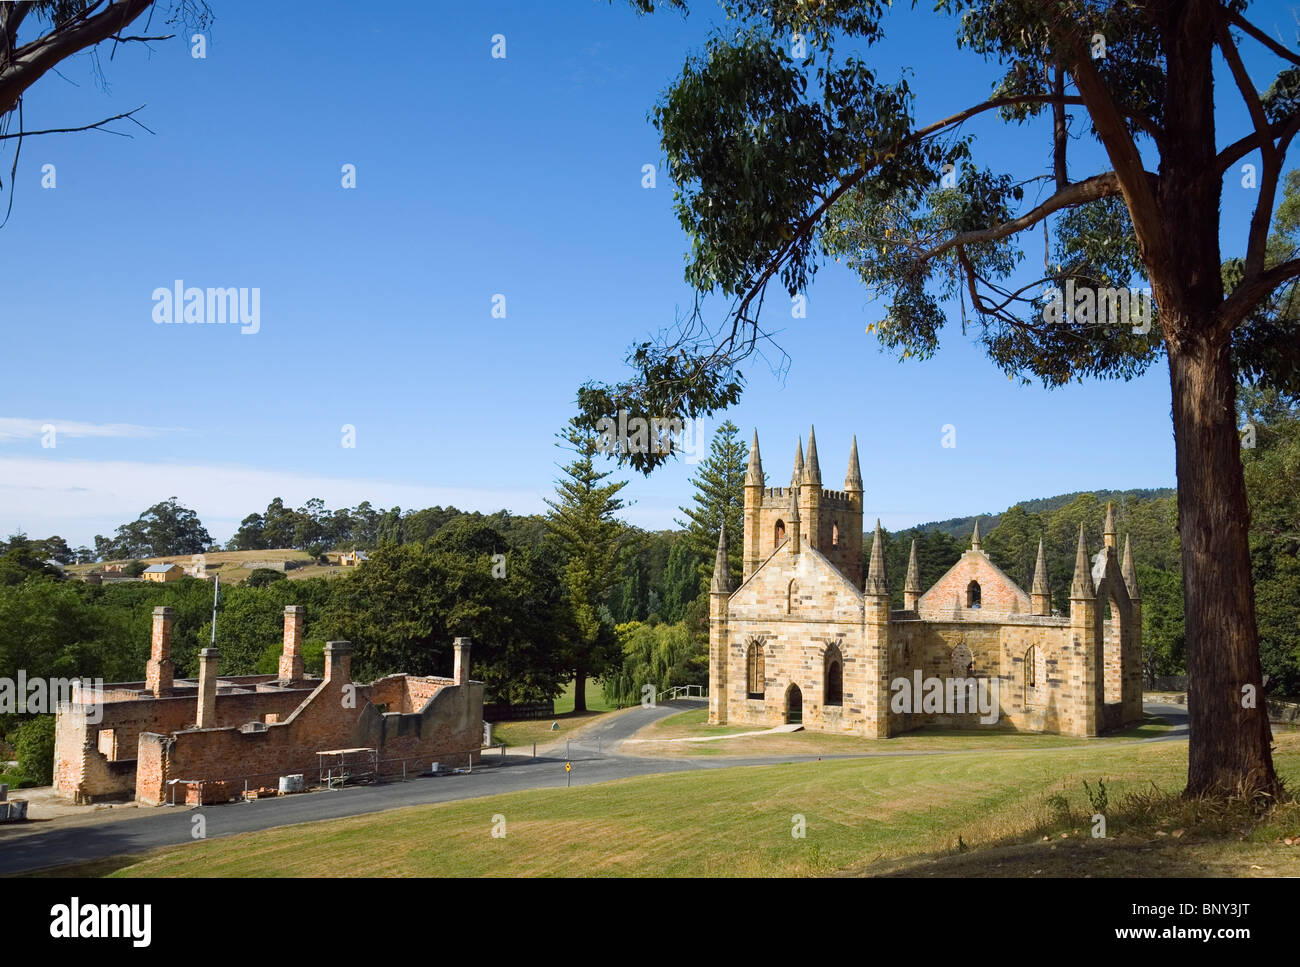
[796,612]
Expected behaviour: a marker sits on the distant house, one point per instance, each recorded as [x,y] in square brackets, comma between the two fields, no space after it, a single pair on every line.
[353,558]
[163,572]
[113,568]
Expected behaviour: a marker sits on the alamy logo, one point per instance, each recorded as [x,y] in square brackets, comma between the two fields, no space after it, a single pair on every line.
[659,434]
[102,921]
[1087,305]
[212,306]
[41,696]
[952,696]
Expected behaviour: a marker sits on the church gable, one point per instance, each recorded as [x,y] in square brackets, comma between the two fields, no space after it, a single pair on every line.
[974,586]
[803,585]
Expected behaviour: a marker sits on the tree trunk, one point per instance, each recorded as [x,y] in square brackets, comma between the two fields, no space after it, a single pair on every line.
[1230,743]
[580,690]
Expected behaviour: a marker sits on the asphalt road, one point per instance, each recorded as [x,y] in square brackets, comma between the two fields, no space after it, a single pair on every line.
[594,757]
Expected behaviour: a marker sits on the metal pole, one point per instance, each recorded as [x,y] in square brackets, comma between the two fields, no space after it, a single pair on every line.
[534,750]
[216,596]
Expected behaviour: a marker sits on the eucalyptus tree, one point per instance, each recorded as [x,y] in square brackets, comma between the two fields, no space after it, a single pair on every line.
[783,162]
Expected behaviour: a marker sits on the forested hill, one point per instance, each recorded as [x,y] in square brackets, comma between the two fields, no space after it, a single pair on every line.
[962,526]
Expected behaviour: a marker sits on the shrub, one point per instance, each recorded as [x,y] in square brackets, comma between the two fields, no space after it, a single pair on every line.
[263,576]
[34,744]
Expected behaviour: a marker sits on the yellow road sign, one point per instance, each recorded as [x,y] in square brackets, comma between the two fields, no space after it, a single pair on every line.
[568,767]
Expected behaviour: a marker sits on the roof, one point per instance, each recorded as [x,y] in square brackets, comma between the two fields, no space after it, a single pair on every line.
[159,568]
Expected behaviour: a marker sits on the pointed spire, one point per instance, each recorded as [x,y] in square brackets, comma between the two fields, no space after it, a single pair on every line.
[1108,534]
[1082,586]
[975,544]
[876,571]
[797,477]
[853,476]
[721,568]
[1040,572]
[812,473]
[793,516]
[1130,572]
[913,582]
[754,472]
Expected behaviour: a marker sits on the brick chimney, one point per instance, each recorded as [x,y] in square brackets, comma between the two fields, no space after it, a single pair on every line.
[338,661]
[158,673]
[291,668]
[461,673]
[207,717]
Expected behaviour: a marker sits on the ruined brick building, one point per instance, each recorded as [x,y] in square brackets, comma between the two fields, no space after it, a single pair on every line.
[130,739]
[805,639]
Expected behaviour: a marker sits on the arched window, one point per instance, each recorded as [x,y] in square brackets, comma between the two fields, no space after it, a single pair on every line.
[834,677]
[1112,629]
[835,534]
[962,662]
[779,535]
[1035,676]
[756,683]
[791,596]
[973,594]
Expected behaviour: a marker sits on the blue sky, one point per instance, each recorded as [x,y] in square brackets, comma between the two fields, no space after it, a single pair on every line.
[475,177]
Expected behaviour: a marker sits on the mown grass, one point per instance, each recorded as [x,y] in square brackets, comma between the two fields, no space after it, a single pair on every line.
[864,816]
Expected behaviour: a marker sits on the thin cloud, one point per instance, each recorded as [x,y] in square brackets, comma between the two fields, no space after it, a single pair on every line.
[15,428]
[80,498]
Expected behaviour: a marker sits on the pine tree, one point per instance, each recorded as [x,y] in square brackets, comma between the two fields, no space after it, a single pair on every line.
[719,494]
[582,522]
[681,580]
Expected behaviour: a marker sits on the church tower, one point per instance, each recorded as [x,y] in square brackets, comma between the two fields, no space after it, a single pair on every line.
[830,521]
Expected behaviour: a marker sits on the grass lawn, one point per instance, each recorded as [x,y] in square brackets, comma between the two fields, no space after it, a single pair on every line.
[868,816]
[694,724]
[525,733]
[13,780]
[596,701]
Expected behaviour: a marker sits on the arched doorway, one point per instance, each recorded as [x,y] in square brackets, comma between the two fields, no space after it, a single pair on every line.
[793,706]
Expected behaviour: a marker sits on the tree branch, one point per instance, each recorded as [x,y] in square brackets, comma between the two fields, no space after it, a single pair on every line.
[32,60]
[1252,290]
[84,127]
[1244,146]
[1237,20]
[1263,215]
[753,289]
[1134,180]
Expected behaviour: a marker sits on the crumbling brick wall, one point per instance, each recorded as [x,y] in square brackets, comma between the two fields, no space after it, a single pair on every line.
[450,725]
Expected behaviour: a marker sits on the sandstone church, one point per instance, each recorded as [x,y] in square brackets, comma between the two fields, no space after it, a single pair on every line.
[805,639]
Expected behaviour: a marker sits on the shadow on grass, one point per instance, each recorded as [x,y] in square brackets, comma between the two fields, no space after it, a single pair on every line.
[90,869]
[1152,832]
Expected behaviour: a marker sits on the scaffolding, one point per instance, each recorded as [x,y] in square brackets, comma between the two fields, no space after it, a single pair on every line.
[338,767]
